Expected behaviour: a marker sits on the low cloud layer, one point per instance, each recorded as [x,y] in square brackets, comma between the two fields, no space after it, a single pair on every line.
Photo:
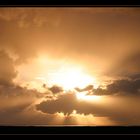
[119,110]
[127,86]
[27,108]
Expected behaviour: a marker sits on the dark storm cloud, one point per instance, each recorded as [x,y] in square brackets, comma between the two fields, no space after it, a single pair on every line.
[65,103]
[56,89]
[127,86]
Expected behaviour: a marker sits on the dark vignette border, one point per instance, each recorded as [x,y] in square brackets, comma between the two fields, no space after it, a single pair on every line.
[64,3]
[73,130]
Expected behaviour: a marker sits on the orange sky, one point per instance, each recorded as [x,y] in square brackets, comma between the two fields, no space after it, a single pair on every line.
[48,53]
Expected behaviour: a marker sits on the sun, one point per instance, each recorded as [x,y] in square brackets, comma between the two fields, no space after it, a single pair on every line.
[70,77]
[49,71]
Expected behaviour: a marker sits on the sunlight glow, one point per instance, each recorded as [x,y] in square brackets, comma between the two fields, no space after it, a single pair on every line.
[63,73]
[70,78]
[83,96]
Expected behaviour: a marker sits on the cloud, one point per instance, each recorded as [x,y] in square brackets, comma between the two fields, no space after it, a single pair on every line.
[127,66]
[56,89]
[122,110]
[25,108]
[129,85]
[38,30]
[20,104]
[7,69]
[65,104]
[17,102]
[25,18]
[87,88]
[68,102]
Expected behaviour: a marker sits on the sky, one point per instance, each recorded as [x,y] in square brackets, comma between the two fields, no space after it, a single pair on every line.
[70,66]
